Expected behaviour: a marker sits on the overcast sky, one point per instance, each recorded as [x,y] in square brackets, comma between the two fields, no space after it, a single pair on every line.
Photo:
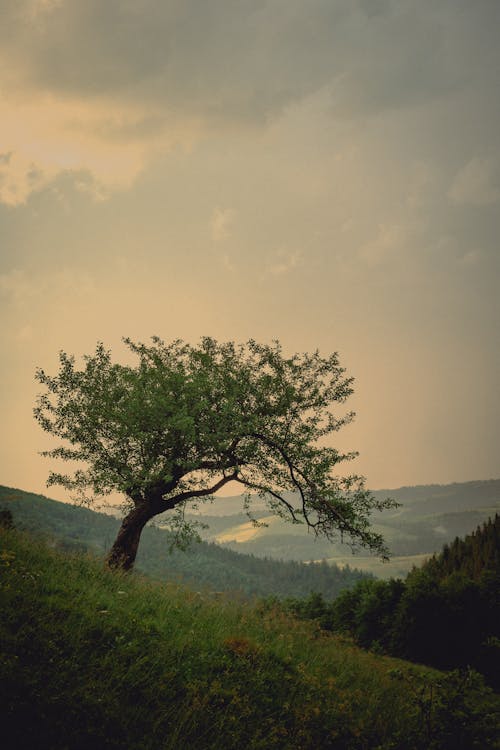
[325,172]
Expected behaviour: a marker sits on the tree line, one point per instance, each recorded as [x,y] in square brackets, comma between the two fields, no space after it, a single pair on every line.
[445,613]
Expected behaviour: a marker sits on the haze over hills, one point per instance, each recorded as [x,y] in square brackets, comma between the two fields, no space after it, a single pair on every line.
[428,517]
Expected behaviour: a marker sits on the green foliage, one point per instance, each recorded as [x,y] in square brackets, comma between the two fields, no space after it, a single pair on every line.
[6,518]
[446,613]
[92,657]
[186,420]
[448,709]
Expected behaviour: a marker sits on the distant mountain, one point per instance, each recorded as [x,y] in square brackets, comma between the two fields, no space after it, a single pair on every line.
[229,506]
[446,498]
[429,516]
[419,499]
[202,566]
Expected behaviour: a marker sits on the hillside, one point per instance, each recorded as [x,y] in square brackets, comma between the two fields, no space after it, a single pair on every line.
[429,516]
[202,565]
[97,659]
[445,613]
[475,557]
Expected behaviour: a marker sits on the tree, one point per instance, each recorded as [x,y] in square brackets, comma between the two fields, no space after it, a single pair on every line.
[186,420]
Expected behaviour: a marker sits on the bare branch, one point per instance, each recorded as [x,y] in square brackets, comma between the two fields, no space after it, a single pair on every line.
[288,462]
[188,494]
[269,491]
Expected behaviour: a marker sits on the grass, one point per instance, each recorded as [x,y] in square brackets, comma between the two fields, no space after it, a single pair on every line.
[97,659]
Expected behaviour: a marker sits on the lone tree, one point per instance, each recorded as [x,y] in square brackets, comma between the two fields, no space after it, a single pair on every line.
[187,420]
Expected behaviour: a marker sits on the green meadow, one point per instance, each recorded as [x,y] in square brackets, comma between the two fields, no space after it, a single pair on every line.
[93,658]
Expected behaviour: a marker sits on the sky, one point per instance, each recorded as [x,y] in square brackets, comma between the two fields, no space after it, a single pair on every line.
[325,173]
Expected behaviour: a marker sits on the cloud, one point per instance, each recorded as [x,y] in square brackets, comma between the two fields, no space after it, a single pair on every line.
[112,143]
[244,61]
[211,58]
[110,85]
[221,223]
[283,262]
[21,290]
[477,183]
[19,177]
[17,287]
[387,245]
[471,258]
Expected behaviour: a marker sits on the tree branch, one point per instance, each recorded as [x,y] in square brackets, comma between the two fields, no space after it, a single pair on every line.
[344,523]
[229,454]
[290,465]
[182,496]
[279,497]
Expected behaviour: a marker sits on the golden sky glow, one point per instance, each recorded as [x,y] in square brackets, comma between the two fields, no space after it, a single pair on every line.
[325,173]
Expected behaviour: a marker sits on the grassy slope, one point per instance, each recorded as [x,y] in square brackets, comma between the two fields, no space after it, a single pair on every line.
[95,659]
[203,565]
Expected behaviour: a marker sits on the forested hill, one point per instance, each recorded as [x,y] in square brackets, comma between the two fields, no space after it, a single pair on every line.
[202,566]
[475,556]
[440,498]
[446,613]
[428,517]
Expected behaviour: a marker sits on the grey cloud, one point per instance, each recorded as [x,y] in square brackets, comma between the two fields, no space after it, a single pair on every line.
[234,58]
[247,60]
[126,128]
[478,183]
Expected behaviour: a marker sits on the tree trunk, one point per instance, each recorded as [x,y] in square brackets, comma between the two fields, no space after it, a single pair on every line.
[123,552]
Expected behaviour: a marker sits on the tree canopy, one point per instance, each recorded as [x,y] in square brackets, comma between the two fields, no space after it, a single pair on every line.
[185,420]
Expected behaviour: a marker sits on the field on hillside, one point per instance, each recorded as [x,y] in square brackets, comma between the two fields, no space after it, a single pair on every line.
[97,659]
[429,516]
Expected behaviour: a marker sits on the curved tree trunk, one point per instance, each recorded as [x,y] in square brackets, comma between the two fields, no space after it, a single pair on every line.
[149,504]
[124,550]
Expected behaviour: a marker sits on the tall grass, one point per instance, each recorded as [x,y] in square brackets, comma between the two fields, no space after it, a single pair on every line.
[92,658]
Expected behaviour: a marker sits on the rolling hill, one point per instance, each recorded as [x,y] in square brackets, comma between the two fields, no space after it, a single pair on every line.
[429,516]
[203,565]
